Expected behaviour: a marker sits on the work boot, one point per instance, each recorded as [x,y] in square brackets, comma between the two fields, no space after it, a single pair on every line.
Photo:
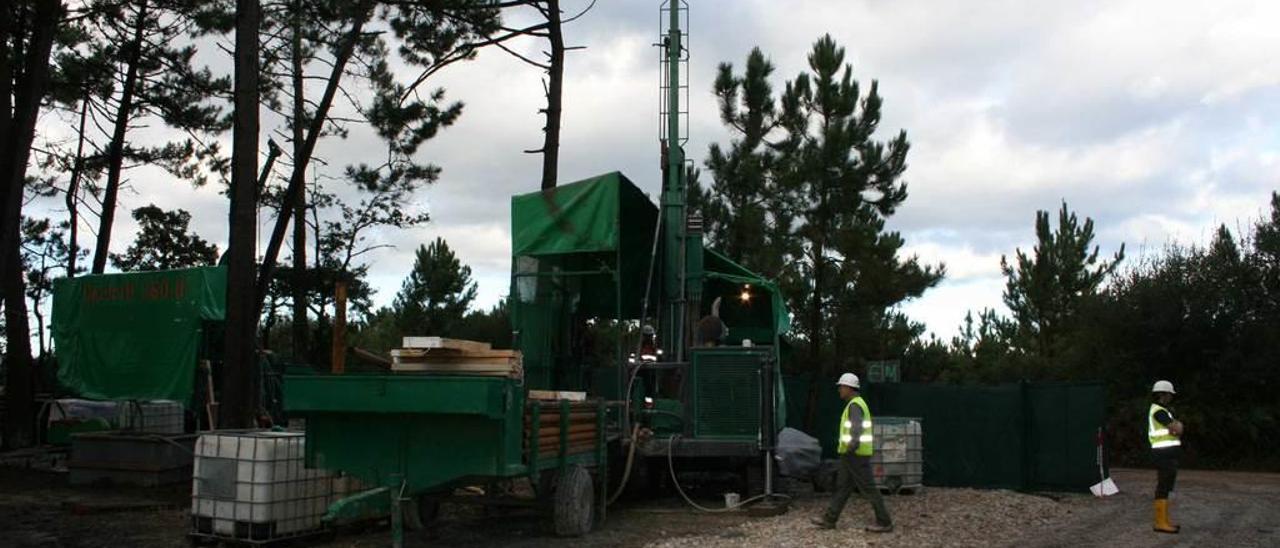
[822,523]
[1162,524]
[879,528]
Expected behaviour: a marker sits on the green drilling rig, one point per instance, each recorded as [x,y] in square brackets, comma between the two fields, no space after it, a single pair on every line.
[596,258]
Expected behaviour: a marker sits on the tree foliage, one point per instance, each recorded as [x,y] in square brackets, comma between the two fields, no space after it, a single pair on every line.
[164,242]
[1046,289]
[44,255]
[802,193]
[435,296]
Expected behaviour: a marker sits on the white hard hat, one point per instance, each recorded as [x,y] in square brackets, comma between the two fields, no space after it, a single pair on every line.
[1163,386]
[850,380]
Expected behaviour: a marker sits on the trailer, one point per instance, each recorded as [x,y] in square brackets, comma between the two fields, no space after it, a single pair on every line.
[416,437]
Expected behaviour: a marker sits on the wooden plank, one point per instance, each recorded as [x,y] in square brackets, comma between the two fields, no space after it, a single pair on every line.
[434,368]
[557,395]
[553,451]
[462,361]
[572,438]
[573,429]
[506,374]
[573,418]
[442,342]
[370,356]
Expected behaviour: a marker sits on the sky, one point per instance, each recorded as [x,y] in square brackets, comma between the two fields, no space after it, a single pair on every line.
[1155,119]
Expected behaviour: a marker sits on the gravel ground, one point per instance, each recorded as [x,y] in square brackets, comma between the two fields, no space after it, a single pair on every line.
[1215,509]
[934,517]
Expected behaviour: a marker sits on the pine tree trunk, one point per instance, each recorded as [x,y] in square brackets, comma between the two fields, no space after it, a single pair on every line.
[240,379]
[302,155]
[115,149]
[555,94]
[821,369]
[25,85]
[299,327]
[35,309]
[73,193]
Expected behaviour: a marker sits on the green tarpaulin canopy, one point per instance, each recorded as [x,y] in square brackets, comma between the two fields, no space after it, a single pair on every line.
[767,315]
[602,213]
[584,251]
[134,335]
[607,220]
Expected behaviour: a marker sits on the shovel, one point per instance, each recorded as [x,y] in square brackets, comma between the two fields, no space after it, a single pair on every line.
[1106,487]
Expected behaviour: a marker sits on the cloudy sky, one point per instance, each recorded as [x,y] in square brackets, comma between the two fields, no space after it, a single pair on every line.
[1155,118]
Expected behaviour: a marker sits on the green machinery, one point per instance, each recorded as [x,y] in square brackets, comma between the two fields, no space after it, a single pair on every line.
[596,259]
[588,259]
[581,269]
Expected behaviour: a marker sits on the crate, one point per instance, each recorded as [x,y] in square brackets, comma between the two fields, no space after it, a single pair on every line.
[253,486]
[155,417]
[898,460]
[130,458]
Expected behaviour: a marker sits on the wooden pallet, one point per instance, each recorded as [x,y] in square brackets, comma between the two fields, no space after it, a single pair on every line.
[441,356]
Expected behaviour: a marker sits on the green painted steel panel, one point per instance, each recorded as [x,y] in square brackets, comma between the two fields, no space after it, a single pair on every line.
[486,396]
[428,451]
[430,430]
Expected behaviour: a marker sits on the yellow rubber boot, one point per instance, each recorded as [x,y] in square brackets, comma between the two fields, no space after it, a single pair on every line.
[1162,524]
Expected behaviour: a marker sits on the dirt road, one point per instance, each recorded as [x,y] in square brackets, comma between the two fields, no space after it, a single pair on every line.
[1214,508]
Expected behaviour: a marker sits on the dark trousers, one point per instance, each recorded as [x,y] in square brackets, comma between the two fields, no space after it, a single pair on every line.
[855,475]
[1166,462]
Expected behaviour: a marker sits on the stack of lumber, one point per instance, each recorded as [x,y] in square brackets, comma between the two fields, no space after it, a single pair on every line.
[441,356]
[581,430]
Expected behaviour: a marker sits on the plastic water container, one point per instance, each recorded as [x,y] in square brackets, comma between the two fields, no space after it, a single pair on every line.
[255,486]
[152,417]
[898,460]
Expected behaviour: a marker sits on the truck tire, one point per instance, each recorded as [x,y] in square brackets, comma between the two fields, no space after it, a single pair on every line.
[574,507]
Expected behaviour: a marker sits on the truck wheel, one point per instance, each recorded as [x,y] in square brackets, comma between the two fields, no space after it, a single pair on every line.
[574,503]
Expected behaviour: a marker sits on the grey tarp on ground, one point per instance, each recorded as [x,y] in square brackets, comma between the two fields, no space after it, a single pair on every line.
[798,453]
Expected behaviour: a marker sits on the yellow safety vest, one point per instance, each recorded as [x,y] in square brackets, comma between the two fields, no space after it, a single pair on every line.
[865,440]
[1159,434]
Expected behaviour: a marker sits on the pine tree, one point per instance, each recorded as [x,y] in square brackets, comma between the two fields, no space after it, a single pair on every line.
[146,42]
[1045,290]
[28,29]
[434,298]
[802,194]
[164,242]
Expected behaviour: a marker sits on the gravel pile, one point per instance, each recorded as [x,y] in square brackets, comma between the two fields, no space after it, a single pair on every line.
[934,517]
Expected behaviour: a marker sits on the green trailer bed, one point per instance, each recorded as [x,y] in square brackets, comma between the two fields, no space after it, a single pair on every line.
[422,435]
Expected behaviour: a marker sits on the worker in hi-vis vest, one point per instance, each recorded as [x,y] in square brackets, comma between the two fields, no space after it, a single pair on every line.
[854,446]
[1165,434]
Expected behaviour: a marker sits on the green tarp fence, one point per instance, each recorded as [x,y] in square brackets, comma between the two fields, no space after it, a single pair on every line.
[134,335]
[1013,436]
